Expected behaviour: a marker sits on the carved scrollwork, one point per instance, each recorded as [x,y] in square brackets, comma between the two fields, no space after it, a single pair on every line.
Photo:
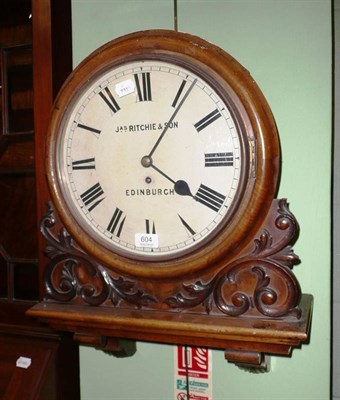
[271,289]
[286,225]
[194,294]
[258,283]
[73,275]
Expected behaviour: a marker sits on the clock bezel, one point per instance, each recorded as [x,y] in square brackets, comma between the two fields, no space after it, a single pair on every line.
[228,78]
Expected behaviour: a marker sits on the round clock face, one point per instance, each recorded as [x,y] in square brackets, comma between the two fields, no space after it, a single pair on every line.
[162,155]
[150,159]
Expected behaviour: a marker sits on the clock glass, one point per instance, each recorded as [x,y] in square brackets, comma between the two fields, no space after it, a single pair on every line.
[150,157]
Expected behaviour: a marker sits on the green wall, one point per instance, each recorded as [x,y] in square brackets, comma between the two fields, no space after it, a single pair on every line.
[286,46]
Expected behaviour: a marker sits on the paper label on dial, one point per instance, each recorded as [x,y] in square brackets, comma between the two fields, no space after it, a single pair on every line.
[124,88]
[146,240]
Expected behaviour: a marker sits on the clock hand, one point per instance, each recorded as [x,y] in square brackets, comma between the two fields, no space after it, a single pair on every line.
[162,173]
[181,187]
[172,117]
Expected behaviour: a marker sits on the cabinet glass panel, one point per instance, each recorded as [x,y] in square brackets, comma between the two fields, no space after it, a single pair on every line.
[17,82]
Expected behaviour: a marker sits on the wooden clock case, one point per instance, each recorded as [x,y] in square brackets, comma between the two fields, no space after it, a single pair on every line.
[236,293]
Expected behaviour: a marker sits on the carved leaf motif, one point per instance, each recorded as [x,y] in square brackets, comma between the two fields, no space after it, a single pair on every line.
[195,288]
[64,238]
[80,275]
[195,294]
[287,257]
[51,251]
[208,304]
[270,259]
[263,243]
[124,285]
[127,290]
[73,275]
[174,302]
[67,281]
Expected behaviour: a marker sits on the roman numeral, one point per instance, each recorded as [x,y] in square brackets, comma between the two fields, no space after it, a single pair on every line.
[90,129]
[92,196]
[207,120]
[116,223]
[186,225]
[209,198]
[150,228]
[109,100]
[178,94]
[87,163]
[143,85]
[219,159]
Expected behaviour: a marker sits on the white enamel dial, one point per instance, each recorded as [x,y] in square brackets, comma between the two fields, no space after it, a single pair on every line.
[150,160]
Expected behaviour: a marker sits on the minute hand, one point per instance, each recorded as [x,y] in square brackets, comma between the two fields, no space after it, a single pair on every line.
[172,117]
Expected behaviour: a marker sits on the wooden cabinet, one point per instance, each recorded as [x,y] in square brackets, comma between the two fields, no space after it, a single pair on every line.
[32,36]
[18,220]
[30,368]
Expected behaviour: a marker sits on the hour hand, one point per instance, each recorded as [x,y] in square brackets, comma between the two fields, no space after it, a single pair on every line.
[181,187]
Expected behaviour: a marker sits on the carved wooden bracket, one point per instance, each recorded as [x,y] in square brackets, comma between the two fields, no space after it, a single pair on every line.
[251,361]
[250,306]
[119,348]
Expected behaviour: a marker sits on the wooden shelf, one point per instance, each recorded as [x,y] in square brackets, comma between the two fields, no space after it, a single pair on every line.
[271,336]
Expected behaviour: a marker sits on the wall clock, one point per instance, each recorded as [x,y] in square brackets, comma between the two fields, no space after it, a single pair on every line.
[163,162]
